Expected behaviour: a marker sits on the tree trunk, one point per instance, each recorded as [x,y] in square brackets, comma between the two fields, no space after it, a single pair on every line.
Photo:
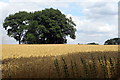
[19,39]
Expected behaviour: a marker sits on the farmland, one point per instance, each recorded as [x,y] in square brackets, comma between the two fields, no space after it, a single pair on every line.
[60,61]
[10,51]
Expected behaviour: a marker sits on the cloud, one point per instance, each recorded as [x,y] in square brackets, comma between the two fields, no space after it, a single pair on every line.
[99,23]
[87,25]
[88,31]
[99,10]
[63,1]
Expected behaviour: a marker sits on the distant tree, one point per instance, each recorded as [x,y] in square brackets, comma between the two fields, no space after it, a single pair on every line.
[114,41]
[48,26]
[93,43]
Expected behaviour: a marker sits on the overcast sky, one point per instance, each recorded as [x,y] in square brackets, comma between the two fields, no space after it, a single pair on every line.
[96,20]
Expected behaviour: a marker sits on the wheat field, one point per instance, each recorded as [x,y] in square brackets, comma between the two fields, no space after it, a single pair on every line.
[10,51]
[60,61]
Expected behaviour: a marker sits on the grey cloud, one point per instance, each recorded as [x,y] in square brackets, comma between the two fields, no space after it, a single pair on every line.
[100,10]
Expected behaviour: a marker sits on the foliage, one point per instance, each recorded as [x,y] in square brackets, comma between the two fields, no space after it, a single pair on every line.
[93,43]
[48,26]
[16,25]
[114,41]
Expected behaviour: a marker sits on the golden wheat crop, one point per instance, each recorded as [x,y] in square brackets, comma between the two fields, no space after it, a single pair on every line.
[60,61]
[10,51]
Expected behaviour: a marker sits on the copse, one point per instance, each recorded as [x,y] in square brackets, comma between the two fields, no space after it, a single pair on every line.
[113,41]
[93,43]
[48,26]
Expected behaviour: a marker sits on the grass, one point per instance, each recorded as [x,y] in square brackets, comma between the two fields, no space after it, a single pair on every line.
[79,64]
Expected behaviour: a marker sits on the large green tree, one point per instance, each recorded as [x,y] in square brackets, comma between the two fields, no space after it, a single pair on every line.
[113,41]
[48,26]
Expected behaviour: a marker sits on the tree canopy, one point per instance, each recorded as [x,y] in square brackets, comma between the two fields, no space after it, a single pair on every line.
[114,41]
[48,26]
[93,43]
